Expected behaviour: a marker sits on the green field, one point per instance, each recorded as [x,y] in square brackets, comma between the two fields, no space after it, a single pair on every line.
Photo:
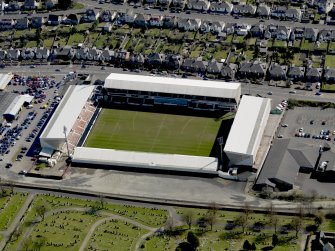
[153,132]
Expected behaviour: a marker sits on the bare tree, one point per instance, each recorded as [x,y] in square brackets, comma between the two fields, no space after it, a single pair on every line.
[102,201]
[170,225]
[242,221]
[188,217]
[247,209]
[296,224]
[211,215]
[41,210]
[319,218]
[273,218]
[11,187]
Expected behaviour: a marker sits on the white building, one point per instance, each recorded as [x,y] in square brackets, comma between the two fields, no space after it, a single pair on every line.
[123,160]
[190,93]
[16,106]
[4,80]
[247,130]
[65,116]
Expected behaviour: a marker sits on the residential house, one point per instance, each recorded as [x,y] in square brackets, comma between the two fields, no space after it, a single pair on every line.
[93,54]
[141,20]
[283,33]
[164,3]
[277,72]
[29,4]
[107,55]
[122,56]
[81,54]
[179,4]
[256,69]
[156,21]
[214,67]
[3,54]
[22,24]
[64,53]
[200,5]
[257,30]
[71,19]
[311,34]
[12,6]
[195,65]
[42,53]
[50,4]
[270,31]
[296,73]
[6,24]
[90,16]
[28,54]
[106,16]
[189,24]
[54,20]
[297,33]
[242,29]
[229,28]
[173,61]
[217,27]
[221,7]
[313,74]
[150,2]
[155,59]
[137,60]
[329,75]
[293,14]
[13,54]
[278,12]
[326,35]
[129,16]
[228,71]
[324,6]
[244,9]
[169,21]
[263,11]
[205,26]
[36,22]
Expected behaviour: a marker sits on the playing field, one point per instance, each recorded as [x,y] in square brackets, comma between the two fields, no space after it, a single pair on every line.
[153,132]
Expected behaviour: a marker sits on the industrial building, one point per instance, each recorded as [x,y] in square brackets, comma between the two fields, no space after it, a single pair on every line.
[179,92]
[247,130]
[62,122]
[16,105]
[128,160]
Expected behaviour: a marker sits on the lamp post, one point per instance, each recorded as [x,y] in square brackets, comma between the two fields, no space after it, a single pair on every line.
[220,141]
[67,144]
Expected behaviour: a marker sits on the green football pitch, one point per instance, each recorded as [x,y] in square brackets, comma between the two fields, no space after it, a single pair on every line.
[153,132]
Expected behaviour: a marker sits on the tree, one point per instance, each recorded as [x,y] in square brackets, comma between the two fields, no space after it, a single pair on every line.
[296,224]
[101,201]
[211,215]
[41,210]
[246,209]
[188,218]
[319,218]
[169,225]
[65,4]
[184,246]
[253,246]
[241,221]
[246,245]
[273,218]
[274,240]
[193,240]
[17,233]
[39,242]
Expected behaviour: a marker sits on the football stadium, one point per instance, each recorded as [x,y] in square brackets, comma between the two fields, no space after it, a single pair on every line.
[155,124]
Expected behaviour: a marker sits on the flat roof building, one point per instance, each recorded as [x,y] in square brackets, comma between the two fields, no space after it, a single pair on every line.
[65,116]
[193,87]
[119,159]
[247,130]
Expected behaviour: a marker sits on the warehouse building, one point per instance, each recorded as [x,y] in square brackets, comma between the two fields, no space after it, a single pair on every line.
[247,130]
[193,94]
[16,105]
[144,161]
[62,122]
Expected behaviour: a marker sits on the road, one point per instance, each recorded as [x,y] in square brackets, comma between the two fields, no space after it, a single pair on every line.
[209,17]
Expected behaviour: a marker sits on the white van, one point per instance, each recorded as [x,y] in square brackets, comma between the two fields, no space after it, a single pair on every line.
[30,106]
